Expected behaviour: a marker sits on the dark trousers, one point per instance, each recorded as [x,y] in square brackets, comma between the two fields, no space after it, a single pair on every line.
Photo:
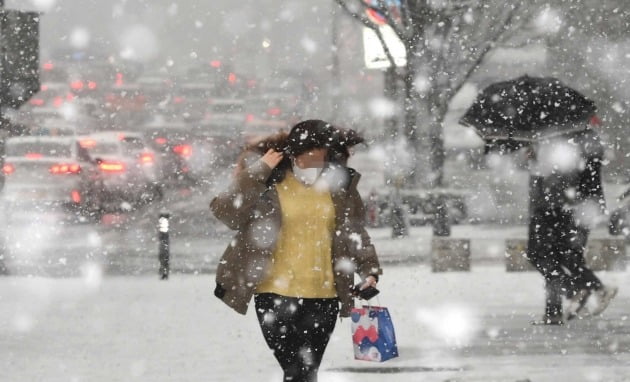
[297,330]
[556,248]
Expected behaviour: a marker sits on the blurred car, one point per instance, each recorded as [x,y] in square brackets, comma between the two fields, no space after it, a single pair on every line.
[125,97]
[51,174]
[224,117]
[191,99]
[221,75]
[158,89]
[53,127]
[52,94]
[76,117]
[190,153]
[129,168]
[172,141]
[274,106]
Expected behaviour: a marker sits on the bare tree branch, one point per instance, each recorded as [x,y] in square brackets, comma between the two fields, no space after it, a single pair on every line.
[388,53]
[358,16]
[489,45]
[404,14]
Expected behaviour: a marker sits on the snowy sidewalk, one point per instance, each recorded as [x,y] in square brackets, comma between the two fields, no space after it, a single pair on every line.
[471,326]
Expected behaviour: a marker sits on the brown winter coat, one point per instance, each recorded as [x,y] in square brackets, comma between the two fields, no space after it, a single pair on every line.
[252,208]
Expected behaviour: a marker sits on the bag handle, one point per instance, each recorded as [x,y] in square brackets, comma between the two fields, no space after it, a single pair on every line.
[368,304]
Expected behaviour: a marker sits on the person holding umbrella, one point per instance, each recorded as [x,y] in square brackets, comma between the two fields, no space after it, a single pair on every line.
[566,200]
[566,195]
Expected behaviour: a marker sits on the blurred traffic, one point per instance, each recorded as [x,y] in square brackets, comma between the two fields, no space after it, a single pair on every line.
[103,137]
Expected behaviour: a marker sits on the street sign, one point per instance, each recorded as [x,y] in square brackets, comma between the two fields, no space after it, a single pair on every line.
[392,7]
[374,54]
[19,57]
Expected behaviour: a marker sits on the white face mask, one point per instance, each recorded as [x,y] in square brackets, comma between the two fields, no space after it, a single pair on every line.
[307,176]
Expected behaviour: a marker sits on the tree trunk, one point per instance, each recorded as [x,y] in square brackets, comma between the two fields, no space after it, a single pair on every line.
[436,137]
[413,131]
[390,90]
[430,144]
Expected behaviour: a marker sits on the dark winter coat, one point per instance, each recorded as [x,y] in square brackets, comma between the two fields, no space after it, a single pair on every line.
[562,190]
[252,207]
[556,234]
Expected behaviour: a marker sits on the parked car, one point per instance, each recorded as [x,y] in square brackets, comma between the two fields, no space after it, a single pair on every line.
[51,174]
[129,168]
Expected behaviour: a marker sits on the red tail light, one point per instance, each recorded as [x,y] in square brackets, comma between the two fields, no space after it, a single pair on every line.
[76,196]
[160,141]
[178,100]
[33,155]
[112,167]
[8,169]
[91,85]
[65,168]
[36,102]
[119,79]
[76,85]
[58,102]
[146,158]
[250,118]
[232,78]
[274,111]
[87,143]
[183,150]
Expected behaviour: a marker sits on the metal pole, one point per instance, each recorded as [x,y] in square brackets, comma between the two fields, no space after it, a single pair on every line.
[441,223]
[3,242]
[335,64]
[3,88]
[3,83]
[164,245]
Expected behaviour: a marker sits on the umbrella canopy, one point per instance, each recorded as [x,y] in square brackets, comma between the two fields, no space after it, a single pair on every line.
[528,108]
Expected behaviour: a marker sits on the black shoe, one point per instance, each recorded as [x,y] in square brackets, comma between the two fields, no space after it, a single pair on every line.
[603,297]
[577,304]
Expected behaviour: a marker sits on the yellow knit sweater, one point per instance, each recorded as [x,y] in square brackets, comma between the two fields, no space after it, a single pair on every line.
[301,264]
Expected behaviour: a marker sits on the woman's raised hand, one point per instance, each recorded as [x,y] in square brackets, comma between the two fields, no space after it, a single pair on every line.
[370,281]
[272,158]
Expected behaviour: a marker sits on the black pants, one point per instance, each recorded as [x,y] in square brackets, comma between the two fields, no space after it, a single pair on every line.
[556,248]
[297,330]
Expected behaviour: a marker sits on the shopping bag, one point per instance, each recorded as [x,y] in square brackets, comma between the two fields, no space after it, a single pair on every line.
[373,335]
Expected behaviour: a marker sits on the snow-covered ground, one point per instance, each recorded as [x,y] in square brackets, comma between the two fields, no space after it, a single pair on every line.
[472,326]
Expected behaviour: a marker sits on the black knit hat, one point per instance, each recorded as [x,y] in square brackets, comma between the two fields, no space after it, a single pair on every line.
[308,135]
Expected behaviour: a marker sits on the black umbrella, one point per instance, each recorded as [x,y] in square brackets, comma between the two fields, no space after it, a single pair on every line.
[526,109]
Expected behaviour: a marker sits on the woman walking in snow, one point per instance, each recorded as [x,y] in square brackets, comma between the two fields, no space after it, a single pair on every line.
[300,239]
